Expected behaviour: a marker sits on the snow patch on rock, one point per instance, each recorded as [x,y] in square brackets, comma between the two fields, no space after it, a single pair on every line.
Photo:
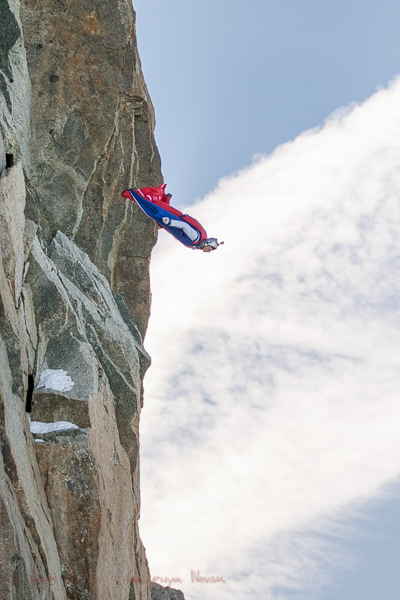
[38,427]
[55,379]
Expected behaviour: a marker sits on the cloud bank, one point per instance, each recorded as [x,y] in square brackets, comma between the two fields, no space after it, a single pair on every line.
[271,408]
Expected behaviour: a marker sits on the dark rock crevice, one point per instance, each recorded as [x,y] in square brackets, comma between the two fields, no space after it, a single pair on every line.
[9,160]
[29,393]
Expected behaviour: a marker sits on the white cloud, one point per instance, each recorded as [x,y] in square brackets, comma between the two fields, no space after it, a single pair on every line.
[271,409]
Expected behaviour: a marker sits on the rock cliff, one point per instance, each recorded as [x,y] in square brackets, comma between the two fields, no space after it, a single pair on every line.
[76,128]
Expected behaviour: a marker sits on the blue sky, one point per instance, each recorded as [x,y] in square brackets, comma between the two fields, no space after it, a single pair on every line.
[375,545]
[230,81]
[233,79]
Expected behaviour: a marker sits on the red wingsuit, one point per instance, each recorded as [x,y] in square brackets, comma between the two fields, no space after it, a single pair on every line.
[159,197]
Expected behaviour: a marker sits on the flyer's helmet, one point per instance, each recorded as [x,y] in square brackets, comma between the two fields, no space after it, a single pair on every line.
[212,243]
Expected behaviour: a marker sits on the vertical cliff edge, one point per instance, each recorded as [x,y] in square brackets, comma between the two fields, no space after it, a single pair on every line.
[76,128]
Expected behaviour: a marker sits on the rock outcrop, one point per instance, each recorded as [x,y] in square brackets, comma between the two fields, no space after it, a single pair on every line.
[158,592]
[76,128]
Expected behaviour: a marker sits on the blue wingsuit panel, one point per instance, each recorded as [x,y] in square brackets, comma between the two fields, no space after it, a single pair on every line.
[157,213]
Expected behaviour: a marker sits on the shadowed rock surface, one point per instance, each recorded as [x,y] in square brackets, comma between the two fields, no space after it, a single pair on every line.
[76,128]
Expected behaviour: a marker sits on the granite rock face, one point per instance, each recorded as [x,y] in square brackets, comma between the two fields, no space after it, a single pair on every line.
[70,499]
[15,92]
[29,561]
[92,137]
[76,128]
[82,333]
